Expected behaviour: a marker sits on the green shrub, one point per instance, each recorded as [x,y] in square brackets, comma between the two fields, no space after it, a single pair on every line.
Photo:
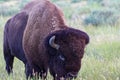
[8,10]
[101,17]
[23,3]
[4,0]
[66,8]
[54,0]
[92,1]
[75,1]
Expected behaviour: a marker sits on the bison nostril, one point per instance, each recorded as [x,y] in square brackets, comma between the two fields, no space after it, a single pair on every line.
[72,74]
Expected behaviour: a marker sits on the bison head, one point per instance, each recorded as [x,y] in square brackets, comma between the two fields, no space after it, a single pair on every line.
[66,49]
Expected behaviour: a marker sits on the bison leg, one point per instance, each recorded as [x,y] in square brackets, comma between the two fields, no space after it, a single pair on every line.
[43,74]
[28,71]
[7,56]
[9,61]
[38,72]
[9,64]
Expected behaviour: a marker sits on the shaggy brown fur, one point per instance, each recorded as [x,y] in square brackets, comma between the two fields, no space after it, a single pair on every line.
[66,60]
[28,7]
[45,18]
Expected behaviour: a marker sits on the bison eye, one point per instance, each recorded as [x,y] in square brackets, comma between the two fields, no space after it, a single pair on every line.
[61,57]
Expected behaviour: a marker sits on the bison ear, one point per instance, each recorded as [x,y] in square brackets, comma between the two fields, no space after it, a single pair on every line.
[53,44]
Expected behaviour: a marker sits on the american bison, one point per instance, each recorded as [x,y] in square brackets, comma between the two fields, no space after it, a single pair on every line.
[13,35]
[49,43]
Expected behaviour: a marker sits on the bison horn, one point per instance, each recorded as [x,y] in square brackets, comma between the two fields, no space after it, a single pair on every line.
[52,43]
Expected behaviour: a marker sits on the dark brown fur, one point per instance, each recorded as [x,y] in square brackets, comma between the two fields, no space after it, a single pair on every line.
[72,43]
[45,19]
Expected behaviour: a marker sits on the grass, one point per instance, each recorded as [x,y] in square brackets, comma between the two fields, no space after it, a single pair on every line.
[102,55]
[100,62]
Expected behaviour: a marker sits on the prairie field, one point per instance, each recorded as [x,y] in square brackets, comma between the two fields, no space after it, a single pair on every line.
[101,60]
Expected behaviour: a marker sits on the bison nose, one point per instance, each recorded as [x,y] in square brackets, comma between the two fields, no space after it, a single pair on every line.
[72,74]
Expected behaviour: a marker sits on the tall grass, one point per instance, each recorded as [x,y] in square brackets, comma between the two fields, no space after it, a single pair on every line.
[101,60]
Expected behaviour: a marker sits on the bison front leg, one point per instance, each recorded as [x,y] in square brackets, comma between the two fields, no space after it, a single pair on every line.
[43,74]
[28,71]
[7,56]
[38,72]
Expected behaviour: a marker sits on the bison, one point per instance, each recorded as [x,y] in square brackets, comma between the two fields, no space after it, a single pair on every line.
[49,43]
